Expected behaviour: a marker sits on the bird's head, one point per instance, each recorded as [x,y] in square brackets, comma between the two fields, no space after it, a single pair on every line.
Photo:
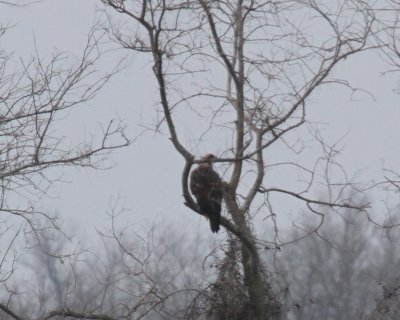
[208,158]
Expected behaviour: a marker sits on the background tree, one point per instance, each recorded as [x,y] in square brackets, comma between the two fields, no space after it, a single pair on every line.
[132,275]
[35,96]
[332,273]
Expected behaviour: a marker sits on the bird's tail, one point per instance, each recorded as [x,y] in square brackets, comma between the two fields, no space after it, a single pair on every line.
[214,222]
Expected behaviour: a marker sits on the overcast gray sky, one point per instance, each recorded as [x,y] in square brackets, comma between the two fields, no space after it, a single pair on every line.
[146,176]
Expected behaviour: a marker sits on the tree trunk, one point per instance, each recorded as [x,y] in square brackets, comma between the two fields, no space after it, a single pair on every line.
[261,300]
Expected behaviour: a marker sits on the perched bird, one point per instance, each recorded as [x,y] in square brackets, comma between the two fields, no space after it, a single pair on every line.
[205,184]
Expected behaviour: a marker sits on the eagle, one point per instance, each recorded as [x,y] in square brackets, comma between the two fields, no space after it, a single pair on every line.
[205,184]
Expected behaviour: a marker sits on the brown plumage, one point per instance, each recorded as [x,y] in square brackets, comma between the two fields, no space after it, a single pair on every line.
[205,184]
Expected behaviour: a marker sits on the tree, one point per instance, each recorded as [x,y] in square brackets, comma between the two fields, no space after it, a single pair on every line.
[35,96]
[242,73]
[132,274]
[332,273]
